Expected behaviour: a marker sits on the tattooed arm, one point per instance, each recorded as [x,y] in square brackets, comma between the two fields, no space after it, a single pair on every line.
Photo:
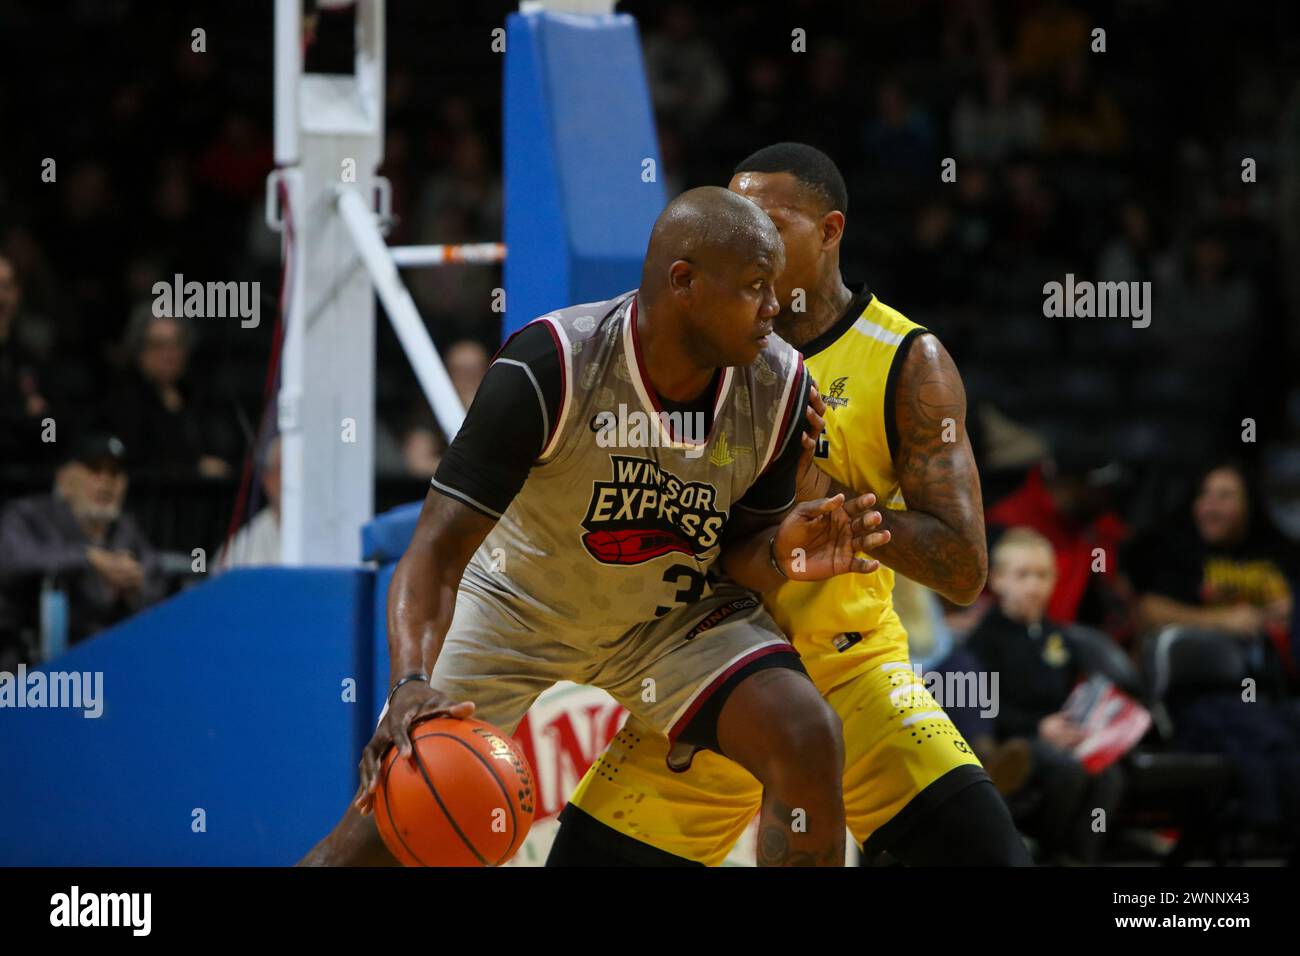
[939,540]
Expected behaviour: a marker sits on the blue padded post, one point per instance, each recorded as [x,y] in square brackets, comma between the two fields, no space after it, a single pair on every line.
[227,699]
[578,131]
[384,541]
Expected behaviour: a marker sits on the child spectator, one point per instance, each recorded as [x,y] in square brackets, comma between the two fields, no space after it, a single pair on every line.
[1037,668]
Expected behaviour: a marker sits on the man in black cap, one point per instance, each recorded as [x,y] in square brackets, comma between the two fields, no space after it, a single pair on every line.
[78,538]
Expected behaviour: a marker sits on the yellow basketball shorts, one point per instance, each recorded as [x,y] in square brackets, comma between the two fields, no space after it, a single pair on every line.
[897,741]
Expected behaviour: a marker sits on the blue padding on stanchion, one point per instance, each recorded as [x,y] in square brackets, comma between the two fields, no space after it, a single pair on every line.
[386,536]
[384,539]
[227,699]
[578,131]
[380,680]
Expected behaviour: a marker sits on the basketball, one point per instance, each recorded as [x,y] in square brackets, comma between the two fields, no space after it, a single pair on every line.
[465,799]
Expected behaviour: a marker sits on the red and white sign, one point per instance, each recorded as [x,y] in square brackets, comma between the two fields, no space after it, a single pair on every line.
[562,734]
[1113,722]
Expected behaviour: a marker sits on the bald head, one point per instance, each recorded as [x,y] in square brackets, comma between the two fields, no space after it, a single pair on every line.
[709,276]
[712,229]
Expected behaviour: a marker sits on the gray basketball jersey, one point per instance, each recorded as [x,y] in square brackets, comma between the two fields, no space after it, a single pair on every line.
[622,514]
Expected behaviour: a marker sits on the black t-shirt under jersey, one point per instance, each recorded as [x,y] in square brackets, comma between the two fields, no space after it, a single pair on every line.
[514,412]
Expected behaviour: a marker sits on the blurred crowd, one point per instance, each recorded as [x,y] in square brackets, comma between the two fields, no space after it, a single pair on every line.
[129,438]
[1171,451]
[1142,483]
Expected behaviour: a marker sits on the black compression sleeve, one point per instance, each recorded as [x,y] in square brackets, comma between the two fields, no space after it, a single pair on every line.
[774,490]
[508,424]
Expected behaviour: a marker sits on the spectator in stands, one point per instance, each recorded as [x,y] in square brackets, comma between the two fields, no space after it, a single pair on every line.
[1227,570]
[831,117]
[997,124]
[411,449]
[686,77]
[21,261]
[236,162]
[422,448]
[23,406]
[470,184]
[1037,669]
[84,237]
[901,138]
[422,441]
[1212,314]
[1050,32]
[155,409]
[1028,218]
[1066,501]
[462,203]
[1082,118]
[418,450]
[1129,256]
[37,289]
[930,270]
[467,363]
[172,225]
[924,263]
[258,542]
[79,539]
[970,32]
[974,215]
[1224,569]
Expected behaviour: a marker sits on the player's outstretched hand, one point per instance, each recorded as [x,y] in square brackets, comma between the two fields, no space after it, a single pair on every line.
[414,701]
[820,539]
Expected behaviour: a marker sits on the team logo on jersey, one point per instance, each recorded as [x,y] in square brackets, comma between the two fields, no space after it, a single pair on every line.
[1054,650]
[724,453]
[834,396]
[721,457]
[645,512]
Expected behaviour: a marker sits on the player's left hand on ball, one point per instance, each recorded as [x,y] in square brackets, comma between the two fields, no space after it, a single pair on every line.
[820,539]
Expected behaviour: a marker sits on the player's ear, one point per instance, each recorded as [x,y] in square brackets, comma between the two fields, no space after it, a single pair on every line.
[832,229]
[680,275]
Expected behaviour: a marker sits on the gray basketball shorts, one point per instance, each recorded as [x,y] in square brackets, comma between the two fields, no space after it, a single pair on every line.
[664,671]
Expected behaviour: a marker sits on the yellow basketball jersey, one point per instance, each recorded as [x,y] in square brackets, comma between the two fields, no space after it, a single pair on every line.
[855,363]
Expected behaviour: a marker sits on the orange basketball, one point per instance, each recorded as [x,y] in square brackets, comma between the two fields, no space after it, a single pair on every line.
[466,799]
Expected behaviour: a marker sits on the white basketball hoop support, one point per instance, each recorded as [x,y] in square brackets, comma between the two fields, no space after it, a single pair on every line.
[329,132]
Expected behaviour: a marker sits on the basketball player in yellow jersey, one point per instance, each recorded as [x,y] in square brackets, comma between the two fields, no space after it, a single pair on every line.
[895,427]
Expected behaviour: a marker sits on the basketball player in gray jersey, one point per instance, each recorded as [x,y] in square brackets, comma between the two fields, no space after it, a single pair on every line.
[626,471]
